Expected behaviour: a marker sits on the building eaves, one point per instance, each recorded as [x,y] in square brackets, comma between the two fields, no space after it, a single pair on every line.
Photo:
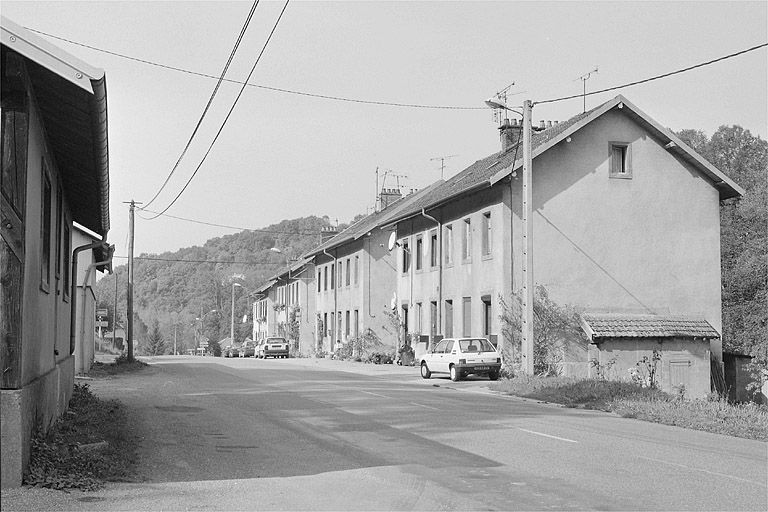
[544,140]
[72,95]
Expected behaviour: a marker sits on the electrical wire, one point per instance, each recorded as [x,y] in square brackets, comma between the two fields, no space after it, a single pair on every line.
[238,228]
[258,86]
[234,104]
[657,77]
[226,262]
[210,101]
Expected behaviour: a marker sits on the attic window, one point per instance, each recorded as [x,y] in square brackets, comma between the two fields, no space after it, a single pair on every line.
[620,160]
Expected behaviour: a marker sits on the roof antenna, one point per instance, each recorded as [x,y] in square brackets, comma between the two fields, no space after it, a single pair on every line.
[584,79]
[442,163]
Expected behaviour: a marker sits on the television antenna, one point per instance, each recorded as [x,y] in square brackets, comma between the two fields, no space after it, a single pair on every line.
[584,79]
[498,114]
[442,162]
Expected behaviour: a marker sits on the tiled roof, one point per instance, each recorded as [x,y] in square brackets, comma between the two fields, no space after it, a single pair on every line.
[646,326]
[374,220]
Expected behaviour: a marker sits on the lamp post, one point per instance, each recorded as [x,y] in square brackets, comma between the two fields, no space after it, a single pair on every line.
[287,282]
[232,318]
[527,213]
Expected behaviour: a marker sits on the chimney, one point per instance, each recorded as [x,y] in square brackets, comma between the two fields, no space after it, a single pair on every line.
[389,196]
[541,125]
[511,133]
[327,233]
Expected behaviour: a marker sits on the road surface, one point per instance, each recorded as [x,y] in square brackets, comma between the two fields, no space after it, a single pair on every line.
[301,434]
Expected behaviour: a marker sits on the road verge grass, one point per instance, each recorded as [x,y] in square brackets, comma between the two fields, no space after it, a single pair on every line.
[632,401]
[88,446]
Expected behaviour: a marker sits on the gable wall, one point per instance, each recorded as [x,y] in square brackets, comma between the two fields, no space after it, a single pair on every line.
[647,243]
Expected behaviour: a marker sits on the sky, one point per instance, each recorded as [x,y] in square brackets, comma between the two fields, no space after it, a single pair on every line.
[284,155]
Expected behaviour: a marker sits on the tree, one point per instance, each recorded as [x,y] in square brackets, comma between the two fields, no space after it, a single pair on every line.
[743,238]
[154,342]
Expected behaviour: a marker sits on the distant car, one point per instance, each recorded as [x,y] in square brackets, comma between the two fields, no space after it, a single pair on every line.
[459,357]
[231,351]
[248,349]
[273,347]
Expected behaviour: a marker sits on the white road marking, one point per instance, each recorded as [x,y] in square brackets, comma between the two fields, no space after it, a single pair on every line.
[704,471]
[547,435]
[424,406]
[374,394]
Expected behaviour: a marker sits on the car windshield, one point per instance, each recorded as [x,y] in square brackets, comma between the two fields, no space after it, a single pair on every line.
[275,340]
[476,345]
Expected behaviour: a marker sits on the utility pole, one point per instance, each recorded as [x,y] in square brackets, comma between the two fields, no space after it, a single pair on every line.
[129,298]
[114,314]
[527,267]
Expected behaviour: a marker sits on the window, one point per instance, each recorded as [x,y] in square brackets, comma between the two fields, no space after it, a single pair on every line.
[466,240]
[67,250]
[448,244]
[487,315]
[325,324]
[417,315]
[419,251]
[406,256]
[440,347]
[338,328]
[319,281]
[339,273]
[59,227]
[448,318]
[487,234]
[325,278]
[466,306]
[357,269]
[620,161]
[433,248]
[405,320]
[433,319]
[45,232]
[331,326]
[349,271]
[357,323]
[333,275]
[346,330]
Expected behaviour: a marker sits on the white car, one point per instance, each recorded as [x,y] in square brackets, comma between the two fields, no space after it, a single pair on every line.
[460,357]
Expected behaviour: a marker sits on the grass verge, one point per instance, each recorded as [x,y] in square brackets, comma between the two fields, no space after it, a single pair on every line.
[88,446]
[749,421]
[120,365]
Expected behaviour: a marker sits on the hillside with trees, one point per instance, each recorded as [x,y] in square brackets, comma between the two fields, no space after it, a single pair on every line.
[743,237]
[172,289]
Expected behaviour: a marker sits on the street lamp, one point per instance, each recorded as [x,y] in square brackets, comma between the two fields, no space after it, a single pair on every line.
[232,319]
[287,282]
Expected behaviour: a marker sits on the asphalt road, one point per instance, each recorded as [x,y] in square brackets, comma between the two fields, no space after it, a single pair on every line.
[307,435]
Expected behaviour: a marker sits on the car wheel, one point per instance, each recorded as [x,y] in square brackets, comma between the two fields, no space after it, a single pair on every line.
[425,373]
[455,374]
[493,375]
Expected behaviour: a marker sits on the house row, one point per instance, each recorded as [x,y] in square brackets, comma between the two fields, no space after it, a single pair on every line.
[625,228]
[55,219]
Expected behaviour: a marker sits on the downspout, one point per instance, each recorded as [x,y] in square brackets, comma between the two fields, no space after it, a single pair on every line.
[73,291]
[439,274]
[92,266]
[334,281]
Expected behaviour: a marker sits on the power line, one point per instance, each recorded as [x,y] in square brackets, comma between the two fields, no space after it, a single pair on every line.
[268,231]
[226,262]
[210,100]
[630,84]
[234,104]
[258,86]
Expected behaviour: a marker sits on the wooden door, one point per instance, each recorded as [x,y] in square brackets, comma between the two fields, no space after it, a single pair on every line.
[15,126]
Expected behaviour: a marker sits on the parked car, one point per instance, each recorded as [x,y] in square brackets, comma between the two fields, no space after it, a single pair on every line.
[273,347]
[231,351]
[248,349]
[459,357]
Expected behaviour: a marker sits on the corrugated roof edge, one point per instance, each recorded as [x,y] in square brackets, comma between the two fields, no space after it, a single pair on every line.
[728,188]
